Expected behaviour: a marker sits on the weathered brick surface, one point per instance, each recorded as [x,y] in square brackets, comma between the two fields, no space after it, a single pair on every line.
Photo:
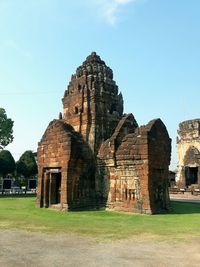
[92,103]
[138,169]
[94,156]
[62,150]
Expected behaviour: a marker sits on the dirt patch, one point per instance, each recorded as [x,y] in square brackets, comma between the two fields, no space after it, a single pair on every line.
[20,248]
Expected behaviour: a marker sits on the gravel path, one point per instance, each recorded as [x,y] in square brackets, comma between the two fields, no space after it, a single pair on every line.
[20,248]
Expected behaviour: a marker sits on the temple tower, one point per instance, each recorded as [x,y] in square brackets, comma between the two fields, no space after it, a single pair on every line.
[91,104]
[94,156]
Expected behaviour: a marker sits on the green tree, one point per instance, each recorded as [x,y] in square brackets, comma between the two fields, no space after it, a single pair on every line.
[26,165]
[7,163]
[6,129]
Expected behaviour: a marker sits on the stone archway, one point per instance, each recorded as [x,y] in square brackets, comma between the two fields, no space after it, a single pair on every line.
[52,187]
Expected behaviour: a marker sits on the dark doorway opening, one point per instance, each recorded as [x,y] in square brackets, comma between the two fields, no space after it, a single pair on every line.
[191,175]
[55,188]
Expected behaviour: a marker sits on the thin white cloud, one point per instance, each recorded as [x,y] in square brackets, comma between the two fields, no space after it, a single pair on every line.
[110,9]
[122,1]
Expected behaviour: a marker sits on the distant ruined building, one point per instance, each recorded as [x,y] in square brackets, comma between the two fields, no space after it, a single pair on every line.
[188,146]
[94,156]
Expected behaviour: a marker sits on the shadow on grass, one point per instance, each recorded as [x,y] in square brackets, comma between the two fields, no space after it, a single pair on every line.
[177,207]
[184,208]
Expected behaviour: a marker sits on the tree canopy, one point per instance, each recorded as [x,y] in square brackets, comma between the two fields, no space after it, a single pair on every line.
[27,165]
[6,129]
[7,163]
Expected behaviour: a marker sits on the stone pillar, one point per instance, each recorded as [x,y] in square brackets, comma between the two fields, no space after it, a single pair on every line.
[46,190]
[40,193]
[64,196]
[183,178]
[50,188]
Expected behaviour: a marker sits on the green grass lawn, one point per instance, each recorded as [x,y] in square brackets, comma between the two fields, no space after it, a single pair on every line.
[182,222]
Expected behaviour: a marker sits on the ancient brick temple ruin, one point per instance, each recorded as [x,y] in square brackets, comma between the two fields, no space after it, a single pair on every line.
[94,156]
[188,145]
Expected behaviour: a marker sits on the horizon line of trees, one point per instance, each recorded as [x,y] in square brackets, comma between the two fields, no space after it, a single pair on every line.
[25,167]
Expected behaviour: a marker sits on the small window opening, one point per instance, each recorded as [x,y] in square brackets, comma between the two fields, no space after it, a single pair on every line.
[76,110]
[113,108]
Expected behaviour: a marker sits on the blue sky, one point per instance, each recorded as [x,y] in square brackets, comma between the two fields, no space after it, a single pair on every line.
[153,47]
